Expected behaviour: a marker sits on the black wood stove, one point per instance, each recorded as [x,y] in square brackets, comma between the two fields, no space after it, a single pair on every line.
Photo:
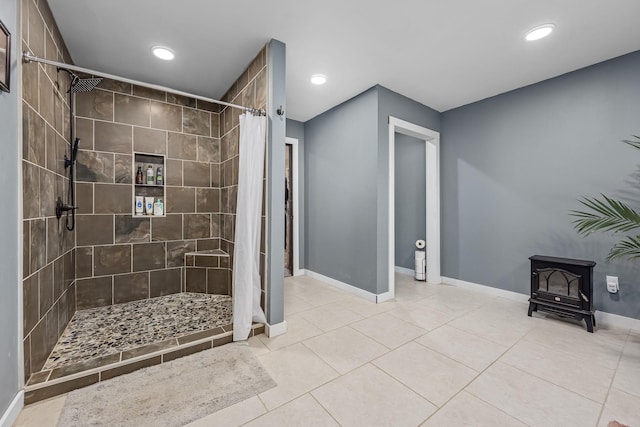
[563,286]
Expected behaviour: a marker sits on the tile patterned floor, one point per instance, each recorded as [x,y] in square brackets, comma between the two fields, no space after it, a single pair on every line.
[108,330]
[436,356]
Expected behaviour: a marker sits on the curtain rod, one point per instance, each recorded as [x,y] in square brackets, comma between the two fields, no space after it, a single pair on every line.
[28,57]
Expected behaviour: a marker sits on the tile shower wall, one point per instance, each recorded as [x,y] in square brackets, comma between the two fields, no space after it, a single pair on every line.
[48,255]
[250,90]
[121,258]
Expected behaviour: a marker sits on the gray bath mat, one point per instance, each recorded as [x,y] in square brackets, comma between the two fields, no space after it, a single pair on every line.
[172,394]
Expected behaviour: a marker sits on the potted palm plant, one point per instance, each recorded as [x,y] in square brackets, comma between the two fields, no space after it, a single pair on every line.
[609,215]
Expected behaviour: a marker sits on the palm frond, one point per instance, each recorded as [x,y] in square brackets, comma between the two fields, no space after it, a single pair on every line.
[605,215]
[634,144]
[628,247]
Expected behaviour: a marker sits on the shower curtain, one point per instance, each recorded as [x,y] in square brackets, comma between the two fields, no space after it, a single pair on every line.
[246,254]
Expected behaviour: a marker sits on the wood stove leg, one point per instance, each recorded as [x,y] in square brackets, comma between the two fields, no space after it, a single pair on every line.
[532,307]
[589,321]
[594,319]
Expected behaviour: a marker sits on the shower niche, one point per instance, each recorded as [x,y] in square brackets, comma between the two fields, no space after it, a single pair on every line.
[148,195]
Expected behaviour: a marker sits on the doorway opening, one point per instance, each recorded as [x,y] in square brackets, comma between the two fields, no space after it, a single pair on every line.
[432,199]
[291,208]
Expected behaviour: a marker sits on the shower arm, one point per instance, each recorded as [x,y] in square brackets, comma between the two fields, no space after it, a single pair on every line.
[28,57]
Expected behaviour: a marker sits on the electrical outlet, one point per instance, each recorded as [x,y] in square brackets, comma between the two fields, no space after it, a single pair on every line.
[613,285]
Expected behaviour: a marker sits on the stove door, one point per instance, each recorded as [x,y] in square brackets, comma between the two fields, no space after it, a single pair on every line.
[557,285]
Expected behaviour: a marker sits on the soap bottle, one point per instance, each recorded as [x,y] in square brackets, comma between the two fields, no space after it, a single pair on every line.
[159,176]
[150,175]
[139,176]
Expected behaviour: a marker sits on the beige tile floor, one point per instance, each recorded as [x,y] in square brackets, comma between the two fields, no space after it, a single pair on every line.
[436,356]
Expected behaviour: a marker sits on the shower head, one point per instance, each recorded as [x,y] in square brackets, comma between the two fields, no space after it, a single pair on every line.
[84,85]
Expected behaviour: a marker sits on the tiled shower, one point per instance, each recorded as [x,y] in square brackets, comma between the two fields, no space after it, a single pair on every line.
[113,256]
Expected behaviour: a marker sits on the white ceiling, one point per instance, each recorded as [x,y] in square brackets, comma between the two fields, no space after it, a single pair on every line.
[442,53]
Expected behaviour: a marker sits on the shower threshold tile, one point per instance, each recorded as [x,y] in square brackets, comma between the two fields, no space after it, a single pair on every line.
[140,326]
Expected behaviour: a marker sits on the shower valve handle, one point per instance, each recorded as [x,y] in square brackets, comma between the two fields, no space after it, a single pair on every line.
[61,207]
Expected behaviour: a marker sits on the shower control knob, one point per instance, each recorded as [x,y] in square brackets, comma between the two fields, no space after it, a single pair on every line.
[61,207]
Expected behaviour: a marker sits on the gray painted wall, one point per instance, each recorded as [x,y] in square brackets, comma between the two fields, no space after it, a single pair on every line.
[401,107]
[340,164]
[10,359]
[410,188]
[514,165]
[276,57]
[295,130]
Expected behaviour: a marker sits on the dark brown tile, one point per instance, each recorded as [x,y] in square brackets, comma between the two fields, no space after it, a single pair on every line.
[26,249]
[55,238]
[112,199]
[30,83]
[206,261]
[149,140]
[94,167]
[200,335]
[261,89]
[130,287]
[45,286]
[196,122]
[197,226]
[84,198]
[149,256]
[173,172]
[45,91]
[196,279]
[257,331]
[84,131]
[131,110]
[95,292]
[47,193]
[215,224]
[50,141]
[67,308]
[176,251]
[215,176]
[94,230]
[38,377]
[215,125]
[69,269]
[31,191]
[207,200]
[131,367]
[145,92]
[207,106]
[43,338]
[167,228]
[58,277]
[181,200]
[166,116]
[115,86]
[132,230]
[96,362]
[181,146]
[38,246]
[165,282]
[97,104]
[147,349]
[218,281]
[208,244]
[186,351]
[181,100]
[208,149]
[218,341]
[84,262]
[113,137]
[36,395]
[197,174]
[123,169]
[111,259]
[30,303]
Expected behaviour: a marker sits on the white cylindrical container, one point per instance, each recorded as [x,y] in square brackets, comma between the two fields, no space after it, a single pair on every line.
[148,205]
[139,205]
[421,265]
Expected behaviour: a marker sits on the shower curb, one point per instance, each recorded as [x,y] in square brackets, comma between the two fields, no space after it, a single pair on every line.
[54,387]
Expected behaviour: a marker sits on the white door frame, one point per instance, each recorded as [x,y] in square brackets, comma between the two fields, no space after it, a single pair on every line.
[296,207]
[432,176]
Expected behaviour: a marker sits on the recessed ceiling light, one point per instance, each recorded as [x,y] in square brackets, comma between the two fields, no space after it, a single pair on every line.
[318,79]
[539,32]
[163,53]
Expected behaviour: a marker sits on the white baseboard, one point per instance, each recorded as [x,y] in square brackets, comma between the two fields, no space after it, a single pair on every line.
[403,270]
[369,296]
[12,412]
[602,318]
[496,292]
[275,330]
[300,272]
[387,296]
